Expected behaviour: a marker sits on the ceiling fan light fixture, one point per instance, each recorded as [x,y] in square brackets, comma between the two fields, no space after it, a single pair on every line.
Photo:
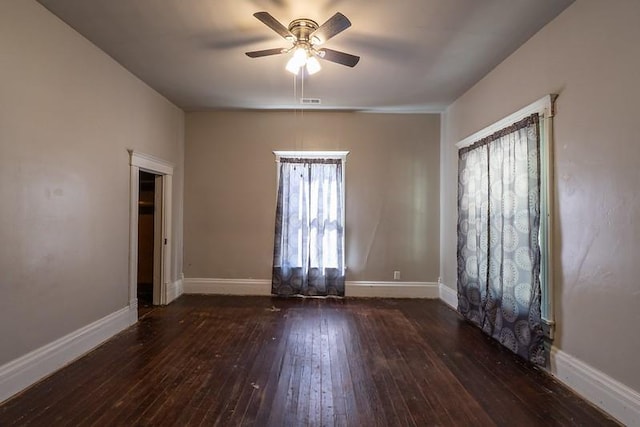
[306,35]
[301,58]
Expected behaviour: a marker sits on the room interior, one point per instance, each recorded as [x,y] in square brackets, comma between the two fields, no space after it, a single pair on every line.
[88,89]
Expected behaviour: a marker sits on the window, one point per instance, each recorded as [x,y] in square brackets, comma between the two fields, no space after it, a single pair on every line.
[504,194]
[309,231]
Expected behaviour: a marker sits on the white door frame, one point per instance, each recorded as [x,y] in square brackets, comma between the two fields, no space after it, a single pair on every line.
[139,161]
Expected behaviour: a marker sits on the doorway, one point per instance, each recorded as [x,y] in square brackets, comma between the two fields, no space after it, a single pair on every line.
[149,239]
[150,209]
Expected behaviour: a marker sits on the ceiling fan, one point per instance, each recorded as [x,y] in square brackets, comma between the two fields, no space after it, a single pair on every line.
[306,36]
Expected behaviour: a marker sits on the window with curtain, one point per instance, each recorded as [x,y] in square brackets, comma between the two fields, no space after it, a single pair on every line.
[499,254]
[308,255]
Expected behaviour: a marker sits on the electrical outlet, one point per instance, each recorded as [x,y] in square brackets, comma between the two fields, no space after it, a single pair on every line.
[396,275]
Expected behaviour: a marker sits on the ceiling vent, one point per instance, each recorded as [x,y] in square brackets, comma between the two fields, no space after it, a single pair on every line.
[314,101]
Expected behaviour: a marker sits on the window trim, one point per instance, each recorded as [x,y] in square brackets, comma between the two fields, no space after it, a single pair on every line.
[544,107]
[312,155]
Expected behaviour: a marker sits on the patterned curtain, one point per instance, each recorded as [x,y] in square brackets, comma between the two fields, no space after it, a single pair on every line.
[309,235]
[498,246]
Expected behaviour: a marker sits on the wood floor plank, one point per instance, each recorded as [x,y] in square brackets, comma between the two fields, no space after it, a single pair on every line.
[452,405]
[135,400]
[221,403]
[385,363]
[327,406]
[227,352]
[261,361]
[364,376]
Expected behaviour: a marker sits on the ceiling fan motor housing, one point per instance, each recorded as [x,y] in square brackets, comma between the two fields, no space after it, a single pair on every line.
[302,29]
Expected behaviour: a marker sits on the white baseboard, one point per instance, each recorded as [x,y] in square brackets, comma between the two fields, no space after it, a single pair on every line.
[227,286]
[175,290]
[133,311]
[391,289]
[352,289]
[448,295]
[20,373]
[610,395]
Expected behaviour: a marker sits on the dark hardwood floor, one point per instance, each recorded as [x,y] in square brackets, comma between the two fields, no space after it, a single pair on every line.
[228,361]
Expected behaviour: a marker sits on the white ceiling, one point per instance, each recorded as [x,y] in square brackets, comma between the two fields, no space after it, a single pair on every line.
[416,55]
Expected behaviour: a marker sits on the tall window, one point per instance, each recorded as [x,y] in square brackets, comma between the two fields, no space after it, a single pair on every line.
[503,194]
[308,257]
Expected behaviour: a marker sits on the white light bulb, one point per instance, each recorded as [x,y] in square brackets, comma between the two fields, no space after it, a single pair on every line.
[313,66]
[292,66]
[300,55]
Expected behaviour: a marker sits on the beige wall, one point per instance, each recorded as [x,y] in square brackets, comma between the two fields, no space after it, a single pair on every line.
[68,113]
[588,55]
[391,190]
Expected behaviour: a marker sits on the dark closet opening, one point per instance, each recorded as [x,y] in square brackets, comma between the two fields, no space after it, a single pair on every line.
[146,243]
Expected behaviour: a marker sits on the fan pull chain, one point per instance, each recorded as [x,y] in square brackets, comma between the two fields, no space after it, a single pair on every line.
[295,110]
[299,131]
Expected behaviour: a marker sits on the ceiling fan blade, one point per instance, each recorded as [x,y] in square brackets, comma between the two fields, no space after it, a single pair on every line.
[274,24]
[334,25]
[266,52]
[338,57]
